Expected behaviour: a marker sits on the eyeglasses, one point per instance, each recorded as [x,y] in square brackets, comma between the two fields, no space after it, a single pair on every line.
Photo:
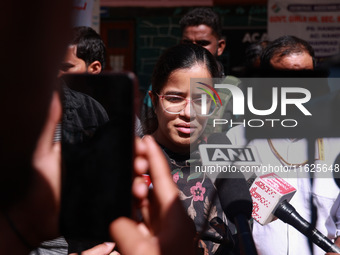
[173,104]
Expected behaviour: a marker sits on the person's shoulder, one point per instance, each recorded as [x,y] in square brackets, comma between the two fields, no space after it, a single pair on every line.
[78,99]
[236,130]
[332,141]
[225,92]
[229,79]
[236,135]
[85,103]
[72,98]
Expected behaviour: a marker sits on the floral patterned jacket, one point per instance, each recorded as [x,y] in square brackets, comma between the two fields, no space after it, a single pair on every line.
[201,202]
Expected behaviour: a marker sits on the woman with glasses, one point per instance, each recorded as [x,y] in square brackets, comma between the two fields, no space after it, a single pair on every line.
[181,107]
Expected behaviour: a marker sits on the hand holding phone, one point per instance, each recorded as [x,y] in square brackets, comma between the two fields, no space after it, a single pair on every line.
[168,229]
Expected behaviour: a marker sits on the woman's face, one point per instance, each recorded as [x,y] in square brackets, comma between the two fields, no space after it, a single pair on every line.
[175,131]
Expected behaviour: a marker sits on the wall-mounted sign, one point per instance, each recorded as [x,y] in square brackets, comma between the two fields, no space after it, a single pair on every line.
[317,22]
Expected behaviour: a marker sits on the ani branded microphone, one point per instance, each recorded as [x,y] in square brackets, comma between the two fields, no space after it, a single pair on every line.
[220,151]
[271,195]
[220,156]
[237,204]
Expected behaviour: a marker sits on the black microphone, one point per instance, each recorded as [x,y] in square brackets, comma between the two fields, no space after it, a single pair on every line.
[287,213]
[237,204]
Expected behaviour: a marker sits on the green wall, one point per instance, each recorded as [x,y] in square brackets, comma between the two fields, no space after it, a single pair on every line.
[157,29]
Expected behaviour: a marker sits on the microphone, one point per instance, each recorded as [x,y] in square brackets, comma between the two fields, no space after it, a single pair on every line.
[219,155]
[271,195]
[267,192]
[237,204]
[287,213]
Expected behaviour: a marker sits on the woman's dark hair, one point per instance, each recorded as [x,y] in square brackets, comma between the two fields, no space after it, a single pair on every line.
[182,56]
[284,46]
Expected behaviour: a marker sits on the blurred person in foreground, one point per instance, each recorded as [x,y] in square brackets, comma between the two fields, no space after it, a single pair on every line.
[30,160]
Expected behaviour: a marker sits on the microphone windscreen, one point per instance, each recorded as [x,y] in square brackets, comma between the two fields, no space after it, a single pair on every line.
[218,138]
[336,174]
[234,195]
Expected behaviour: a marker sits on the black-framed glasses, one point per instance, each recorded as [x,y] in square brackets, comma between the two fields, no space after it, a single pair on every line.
[203,105]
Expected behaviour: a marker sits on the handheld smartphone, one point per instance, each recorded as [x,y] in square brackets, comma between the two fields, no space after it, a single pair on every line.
[97,153]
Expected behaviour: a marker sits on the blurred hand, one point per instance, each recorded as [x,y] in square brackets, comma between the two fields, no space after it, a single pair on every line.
[337,242]
[100,249]
[167,229]
[36,214]
[40,208]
